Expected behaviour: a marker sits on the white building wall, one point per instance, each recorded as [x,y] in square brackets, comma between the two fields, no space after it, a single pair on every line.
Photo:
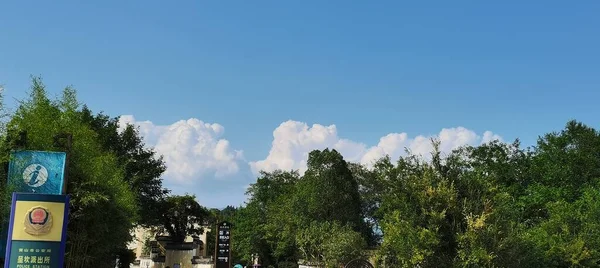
[202,266]
[140,234]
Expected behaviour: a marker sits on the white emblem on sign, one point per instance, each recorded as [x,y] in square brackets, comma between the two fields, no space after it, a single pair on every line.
[35,175]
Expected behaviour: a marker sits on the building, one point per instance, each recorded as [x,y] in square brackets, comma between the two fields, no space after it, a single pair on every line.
[158,251]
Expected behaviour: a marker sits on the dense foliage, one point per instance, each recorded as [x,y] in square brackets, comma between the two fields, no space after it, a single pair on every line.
[493,205]
[103,208]
[314,218]
[113,179]
[181,217]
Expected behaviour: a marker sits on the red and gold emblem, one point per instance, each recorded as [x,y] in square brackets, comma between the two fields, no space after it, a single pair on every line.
[38,221]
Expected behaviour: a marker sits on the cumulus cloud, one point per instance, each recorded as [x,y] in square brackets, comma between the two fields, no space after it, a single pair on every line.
[193,150]
[293,141]
[200,161]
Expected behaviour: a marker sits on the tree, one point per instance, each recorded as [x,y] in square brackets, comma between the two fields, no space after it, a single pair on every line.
[270,186]
[371,189]
[456,210]
[493,205]
[263,226]
[418,223]
[282,204]
[103,208]
[182,216]
[228,213]
[329,244]
[328,191]
[125,257]
[249,236]
[561,200]
[489,178]
[142,167]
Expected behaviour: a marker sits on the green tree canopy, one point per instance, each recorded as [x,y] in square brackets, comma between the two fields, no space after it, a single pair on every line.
[103,207]
[182,216]
[328,191]
[141,166]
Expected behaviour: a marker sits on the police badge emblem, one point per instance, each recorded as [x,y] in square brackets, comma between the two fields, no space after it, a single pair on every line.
[38,221]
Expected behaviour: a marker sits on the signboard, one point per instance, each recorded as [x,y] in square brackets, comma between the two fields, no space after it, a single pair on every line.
[37,231]
[34,172]
[223,259]
[37,172]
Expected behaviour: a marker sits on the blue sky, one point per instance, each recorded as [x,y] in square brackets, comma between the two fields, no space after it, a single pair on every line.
[368,67]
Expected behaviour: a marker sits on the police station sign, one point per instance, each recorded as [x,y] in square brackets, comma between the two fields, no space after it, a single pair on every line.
[37,231]
[39,172]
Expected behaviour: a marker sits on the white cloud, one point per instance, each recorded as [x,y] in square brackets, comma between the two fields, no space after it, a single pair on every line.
[196,153]
[489,136]
[192,149]
[293,141]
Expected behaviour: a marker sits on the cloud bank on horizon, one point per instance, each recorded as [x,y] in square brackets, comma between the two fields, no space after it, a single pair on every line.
[293,141]
[196,153]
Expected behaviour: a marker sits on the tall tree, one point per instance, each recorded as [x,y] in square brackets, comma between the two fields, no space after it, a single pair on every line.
[418,214]
[264,225]
[327,195]
[103,207]
[371,190]
[142,167]
[328,191]
[182,216]
[329,243]
[561,200]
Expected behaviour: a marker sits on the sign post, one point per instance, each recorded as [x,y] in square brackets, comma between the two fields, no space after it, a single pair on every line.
[223,250]
[37,172]
[37,233]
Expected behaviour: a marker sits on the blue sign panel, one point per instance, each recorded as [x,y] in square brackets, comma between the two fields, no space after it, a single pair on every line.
[34,172]
[37,233]
[37,172]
